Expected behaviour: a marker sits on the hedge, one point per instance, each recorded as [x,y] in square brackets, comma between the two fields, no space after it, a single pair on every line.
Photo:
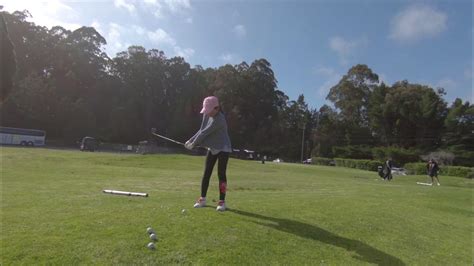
[369,165]
[353,152]
[321,161]
[420,169]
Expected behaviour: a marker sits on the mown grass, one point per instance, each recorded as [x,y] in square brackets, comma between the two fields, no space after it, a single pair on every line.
[53,212]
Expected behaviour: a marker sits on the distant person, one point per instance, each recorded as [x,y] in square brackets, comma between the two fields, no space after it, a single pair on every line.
[388,170]
[264,158]
[432,168]
[213,135]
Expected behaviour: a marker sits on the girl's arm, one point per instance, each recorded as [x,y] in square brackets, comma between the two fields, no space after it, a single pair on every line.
[216,124]
[205,118]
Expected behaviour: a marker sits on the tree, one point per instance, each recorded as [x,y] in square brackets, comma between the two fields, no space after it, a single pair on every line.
[7,61]
[351,94]
[378,123]
[327,133]
[414,114]
[459,123]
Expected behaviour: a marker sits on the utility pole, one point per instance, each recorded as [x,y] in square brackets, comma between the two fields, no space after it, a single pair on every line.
[302,142]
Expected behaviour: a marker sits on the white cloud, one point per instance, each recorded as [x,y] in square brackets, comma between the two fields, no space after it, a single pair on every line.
[186,53]
[114,31]
[235,14]
[417,22]
[163,7]
[157,8]
[239,31]
[324,89]
[114,41]
[125,4]
[230,58]
[447,84]
[46,13]
[345,49]
[138,30]
[96,25]
[51,13]
[383,78]
[160,36]
[332,77]
[158,13]
[177,5]
[324,71]
[189,20]
[468,73]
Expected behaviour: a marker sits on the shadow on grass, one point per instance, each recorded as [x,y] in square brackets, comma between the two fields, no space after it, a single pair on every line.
[364,252]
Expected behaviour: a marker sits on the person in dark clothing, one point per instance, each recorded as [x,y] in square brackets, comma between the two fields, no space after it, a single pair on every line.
[432,168]
[388,170]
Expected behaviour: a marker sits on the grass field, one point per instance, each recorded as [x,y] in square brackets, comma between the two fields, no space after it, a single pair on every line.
[53,212]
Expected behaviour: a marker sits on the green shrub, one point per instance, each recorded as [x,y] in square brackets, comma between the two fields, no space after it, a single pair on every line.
[471,175]
[352,152]
[464,158]
[321,161]
[369,165]
[415,168]
[420,169]
[458,171]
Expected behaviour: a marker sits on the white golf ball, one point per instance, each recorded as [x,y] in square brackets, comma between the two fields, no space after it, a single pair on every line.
[151,245]
[153,237]
[183,211]
[150,230]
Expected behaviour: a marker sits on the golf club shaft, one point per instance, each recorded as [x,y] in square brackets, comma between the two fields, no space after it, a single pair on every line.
[126,193]
[168,139]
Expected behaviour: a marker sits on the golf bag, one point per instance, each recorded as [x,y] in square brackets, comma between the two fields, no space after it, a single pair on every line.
[380,171]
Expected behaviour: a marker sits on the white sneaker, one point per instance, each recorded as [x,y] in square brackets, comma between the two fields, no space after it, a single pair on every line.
[221,206]
[201,202]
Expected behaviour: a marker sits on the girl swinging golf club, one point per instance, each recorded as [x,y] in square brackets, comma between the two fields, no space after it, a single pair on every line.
[213,135]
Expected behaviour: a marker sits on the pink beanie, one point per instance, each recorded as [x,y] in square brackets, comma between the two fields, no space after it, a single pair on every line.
[208,104]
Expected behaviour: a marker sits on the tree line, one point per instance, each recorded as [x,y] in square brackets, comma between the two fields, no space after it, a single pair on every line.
[66,84]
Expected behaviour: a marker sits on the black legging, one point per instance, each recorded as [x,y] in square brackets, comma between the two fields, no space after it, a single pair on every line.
[211,159]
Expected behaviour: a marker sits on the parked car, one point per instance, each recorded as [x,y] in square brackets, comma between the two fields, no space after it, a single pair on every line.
[398,171]
[89,144]
[278,160]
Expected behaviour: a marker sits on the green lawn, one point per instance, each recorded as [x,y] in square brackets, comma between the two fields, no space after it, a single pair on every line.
[53,212]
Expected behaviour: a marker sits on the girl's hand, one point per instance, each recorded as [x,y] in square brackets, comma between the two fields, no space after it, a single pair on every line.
[189,145]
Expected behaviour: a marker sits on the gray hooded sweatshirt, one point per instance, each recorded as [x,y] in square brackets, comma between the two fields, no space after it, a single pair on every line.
[213,134]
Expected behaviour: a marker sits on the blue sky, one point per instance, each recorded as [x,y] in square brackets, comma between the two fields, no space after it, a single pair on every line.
[310,44]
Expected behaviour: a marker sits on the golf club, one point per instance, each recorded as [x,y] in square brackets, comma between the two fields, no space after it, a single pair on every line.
[125,193]
[153,131]
[424,184]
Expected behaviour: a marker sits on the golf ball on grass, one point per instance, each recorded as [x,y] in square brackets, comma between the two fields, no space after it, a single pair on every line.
[150,230]
[151,245]
[153,237]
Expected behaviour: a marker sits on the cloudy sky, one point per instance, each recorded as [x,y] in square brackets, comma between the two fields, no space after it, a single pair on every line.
[310,44]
